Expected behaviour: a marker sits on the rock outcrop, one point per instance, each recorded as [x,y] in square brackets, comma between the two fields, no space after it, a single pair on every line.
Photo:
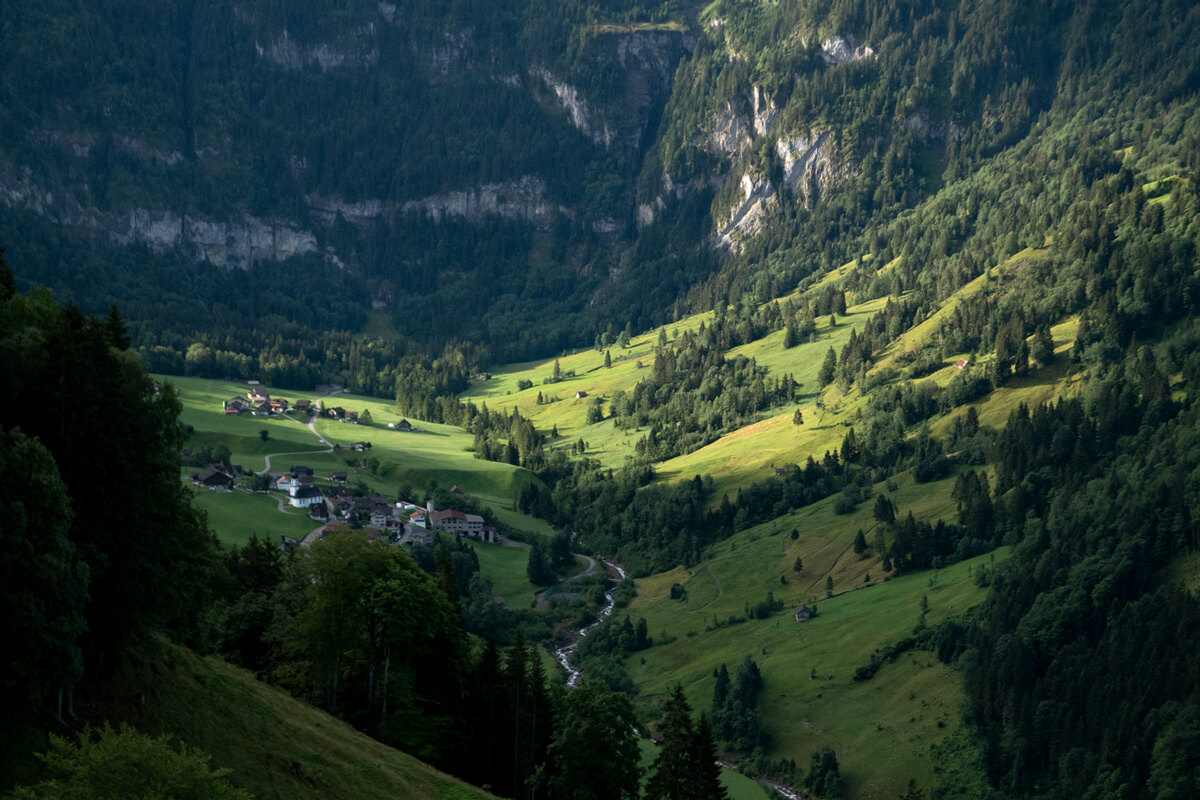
[843,49]
[357,50]
[582,117]
[746,219]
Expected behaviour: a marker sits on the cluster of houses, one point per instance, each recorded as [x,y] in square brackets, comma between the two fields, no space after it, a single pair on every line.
[377,515]
[411,522]
[261,404]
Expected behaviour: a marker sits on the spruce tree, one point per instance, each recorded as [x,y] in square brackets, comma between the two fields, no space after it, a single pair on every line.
[674,768]
[707,774]
[860,542]
[828,369]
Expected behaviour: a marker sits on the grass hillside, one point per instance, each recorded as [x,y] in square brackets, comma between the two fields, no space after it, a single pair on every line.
[276,746]
[903,723]
[561,408]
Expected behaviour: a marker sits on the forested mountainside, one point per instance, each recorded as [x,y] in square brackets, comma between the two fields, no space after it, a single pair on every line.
[252,177]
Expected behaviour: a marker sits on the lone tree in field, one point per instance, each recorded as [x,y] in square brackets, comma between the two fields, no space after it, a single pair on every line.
[799,565]
[798,418]
[829,586]
[264,434]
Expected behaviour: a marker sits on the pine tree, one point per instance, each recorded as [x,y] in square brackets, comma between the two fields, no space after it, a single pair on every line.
[798,418]
[537,570]
[799,565]
[8,284]
[828,369]
[706,783]
[1043,346]
[114,326]
[860,542]
[829,586]
[607,359]
[674,768]
[885,512]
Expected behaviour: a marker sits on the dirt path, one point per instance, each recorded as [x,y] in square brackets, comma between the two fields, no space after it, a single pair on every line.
[720,590]
[312,426]
[312,536]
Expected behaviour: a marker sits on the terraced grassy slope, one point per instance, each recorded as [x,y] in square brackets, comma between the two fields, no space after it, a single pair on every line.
[275,745]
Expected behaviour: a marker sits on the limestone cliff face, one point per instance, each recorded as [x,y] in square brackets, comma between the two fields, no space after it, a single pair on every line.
[810,161]
[838,50]
[356,49]
[647,61]
[524,199]
[746,219]
[236,243]
[579,111]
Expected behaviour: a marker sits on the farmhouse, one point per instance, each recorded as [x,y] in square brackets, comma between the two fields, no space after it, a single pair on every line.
[319,511]
[338,477]
[962,363]
[804,613]
[404,425]
[213,479]
[580,394]
[236,405]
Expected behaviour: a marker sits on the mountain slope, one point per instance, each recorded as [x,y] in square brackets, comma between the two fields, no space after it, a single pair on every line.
[275,745]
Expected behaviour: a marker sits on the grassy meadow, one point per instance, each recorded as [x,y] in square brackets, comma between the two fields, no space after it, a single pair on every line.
[236,516]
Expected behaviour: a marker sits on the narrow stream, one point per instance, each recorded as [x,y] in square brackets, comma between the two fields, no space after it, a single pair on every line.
[563,656]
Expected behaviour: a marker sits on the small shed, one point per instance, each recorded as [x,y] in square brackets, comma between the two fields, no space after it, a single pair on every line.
[803,613]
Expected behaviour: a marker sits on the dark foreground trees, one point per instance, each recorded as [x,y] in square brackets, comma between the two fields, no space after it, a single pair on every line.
[101,544]
[686,767]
